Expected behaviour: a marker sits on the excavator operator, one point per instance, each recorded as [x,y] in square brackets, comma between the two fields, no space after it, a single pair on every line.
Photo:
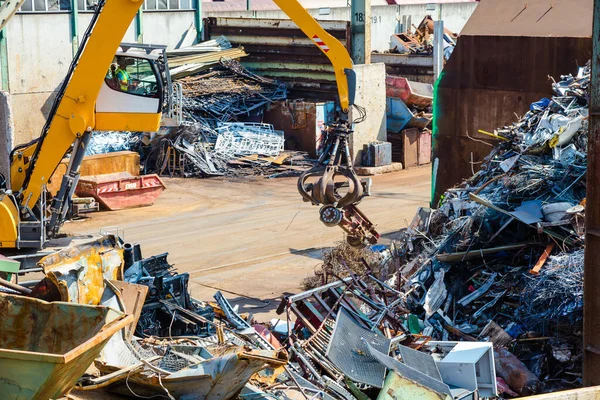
[118,78]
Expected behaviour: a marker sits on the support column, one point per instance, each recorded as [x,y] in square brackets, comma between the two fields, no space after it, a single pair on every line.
[139,26]
[591,276]
[4,61]
[74,26]
[6,134]
[198,20]
[438,48]
[361,31]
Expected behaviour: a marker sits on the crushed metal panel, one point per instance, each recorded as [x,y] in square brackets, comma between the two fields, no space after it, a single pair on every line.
[407,378]
[78,272]
[347,350]
[133,296]
[399,387]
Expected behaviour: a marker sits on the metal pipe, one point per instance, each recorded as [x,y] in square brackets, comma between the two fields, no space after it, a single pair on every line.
[438,49]
[139,26]
[4,61]
[198,20]
[591,274]
[75,26]
[15,287]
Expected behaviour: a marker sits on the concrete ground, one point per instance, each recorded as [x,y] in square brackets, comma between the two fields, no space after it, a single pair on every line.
[251,239]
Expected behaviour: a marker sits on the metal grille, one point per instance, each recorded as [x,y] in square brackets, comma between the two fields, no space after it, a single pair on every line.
[348,351]
[241,139]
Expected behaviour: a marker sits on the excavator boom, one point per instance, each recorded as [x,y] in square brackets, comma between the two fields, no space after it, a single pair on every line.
[86,101]
[73,112]
[330,46]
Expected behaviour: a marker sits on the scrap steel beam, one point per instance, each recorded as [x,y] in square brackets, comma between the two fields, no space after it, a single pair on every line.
[591,309]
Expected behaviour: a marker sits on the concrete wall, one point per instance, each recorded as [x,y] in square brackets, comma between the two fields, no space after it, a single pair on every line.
[39,54]
[168,28]
[370,94]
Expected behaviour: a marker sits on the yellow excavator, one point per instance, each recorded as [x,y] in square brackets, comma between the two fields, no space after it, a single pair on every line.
[90,98]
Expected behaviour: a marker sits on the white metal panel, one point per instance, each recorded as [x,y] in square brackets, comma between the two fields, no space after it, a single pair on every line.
[470,365]
[110,100]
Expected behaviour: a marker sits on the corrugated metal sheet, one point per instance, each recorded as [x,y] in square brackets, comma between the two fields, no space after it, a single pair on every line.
[535,18]
[278,49]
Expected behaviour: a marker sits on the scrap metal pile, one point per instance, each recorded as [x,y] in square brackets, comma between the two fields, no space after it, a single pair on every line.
[224,94]
[502,256]
[499,263]
[214,137]
[420,43]
[212,142]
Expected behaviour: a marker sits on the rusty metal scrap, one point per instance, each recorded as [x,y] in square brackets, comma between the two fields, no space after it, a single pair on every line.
[228,93]
[77,273]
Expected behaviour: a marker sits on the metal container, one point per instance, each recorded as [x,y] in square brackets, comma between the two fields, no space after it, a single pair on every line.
[417,94]
[377,154]
[45,347]
[121,190]
[303,123]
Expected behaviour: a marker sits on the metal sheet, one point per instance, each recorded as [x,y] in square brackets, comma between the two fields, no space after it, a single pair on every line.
[348,351]
[560,18]
[438,387]
[420,361]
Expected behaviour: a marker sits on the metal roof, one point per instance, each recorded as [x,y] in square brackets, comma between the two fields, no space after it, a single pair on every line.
[533,18]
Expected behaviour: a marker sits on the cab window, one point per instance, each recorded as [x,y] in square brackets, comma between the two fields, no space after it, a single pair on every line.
[132,75]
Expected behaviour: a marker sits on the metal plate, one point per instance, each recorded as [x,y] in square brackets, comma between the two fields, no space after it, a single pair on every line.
[348,351]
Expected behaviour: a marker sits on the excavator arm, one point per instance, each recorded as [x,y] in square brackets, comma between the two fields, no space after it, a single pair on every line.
[333,183]
[330,46]
[84,103]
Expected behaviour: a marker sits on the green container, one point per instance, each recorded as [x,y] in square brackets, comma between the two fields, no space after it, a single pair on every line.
[46,347]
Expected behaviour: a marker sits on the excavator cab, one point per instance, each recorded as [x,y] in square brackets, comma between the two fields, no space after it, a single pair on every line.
[136,91]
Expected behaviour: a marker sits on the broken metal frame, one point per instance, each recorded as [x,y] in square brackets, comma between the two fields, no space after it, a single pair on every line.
[314,307]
